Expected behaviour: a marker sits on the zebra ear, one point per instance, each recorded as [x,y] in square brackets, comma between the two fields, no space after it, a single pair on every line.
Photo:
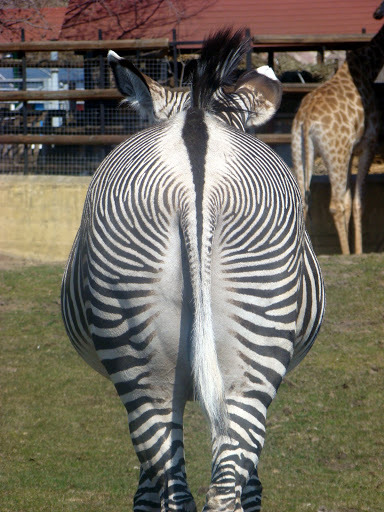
[265,90]
[132,84]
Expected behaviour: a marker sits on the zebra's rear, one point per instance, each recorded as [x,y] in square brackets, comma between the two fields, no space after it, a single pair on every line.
[192,274]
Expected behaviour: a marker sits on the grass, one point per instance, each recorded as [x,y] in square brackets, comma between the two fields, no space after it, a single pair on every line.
[64,441]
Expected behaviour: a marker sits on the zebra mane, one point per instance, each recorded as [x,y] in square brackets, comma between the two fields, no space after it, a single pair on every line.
[220,57]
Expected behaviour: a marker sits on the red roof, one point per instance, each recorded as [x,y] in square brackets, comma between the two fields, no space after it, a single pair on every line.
[43,24]
[262,17]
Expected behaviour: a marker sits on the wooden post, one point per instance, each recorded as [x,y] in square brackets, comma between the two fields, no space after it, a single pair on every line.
[271,59]
[249,52]
[174,48]
[25,104]
[320,56]
[102,85]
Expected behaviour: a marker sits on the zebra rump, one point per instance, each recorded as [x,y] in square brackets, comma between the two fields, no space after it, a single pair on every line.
[214,70]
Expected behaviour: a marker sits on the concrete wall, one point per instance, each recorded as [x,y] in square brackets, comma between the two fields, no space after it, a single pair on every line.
[39,216]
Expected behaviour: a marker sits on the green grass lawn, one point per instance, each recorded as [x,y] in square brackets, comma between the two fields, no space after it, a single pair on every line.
[64,441]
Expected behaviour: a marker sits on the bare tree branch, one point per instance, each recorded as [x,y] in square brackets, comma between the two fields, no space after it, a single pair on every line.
[17,14]
[131,15]
[126,16]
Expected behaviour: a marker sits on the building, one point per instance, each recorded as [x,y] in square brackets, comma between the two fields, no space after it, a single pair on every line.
[194,19]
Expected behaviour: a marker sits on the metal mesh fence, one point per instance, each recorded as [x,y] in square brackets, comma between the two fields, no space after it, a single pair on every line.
[61,129]
[62,71]
[46,134]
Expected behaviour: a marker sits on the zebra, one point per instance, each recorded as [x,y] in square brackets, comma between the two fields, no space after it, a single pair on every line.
[192,275]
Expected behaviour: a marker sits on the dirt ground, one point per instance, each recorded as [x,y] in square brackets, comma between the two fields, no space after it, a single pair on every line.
[12,262]
[8,263]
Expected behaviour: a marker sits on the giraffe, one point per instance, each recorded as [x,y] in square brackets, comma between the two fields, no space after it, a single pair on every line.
[337,120]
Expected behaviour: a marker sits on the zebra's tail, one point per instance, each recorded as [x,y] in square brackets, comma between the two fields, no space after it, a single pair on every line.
[207,377]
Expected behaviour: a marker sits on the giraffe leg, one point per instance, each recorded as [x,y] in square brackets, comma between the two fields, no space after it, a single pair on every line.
[297,161]
[308,159]
[338,166]
[337,209]
[365,162]
[347,208]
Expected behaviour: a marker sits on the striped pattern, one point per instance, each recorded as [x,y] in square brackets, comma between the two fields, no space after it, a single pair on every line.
[192,274]
[170,103]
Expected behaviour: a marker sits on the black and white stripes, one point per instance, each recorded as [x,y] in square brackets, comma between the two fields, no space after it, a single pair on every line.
[192,275]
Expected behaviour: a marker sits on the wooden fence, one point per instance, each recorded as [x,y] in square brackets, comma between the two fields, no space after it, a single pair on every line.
[57,200]
[104,94]
[270,44]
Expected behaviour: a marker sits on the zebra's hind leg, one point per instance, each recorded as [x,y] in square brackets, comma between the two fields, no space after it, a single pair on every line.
[225,493]
[235,485]
[149,498]
[251,496]
[157,436]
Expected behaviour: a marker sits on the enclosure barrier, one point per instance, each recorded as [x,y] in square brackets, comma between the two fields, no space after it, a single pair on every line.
[50,131]
[68,130]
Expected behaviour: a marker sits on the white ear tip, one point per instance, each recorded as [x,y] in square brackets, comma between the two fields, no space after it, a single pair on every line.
[267,71]
[113,55]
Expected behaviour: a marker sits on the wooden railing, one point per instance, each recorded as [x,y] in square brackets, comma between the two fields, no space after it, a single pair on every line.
[269,43]
[105,94]
[260,43]
[51,46]
[308,42]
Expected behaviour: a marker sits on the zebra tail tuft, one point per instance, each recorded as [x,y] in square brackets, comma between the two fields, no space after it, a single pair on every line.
[207,377]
